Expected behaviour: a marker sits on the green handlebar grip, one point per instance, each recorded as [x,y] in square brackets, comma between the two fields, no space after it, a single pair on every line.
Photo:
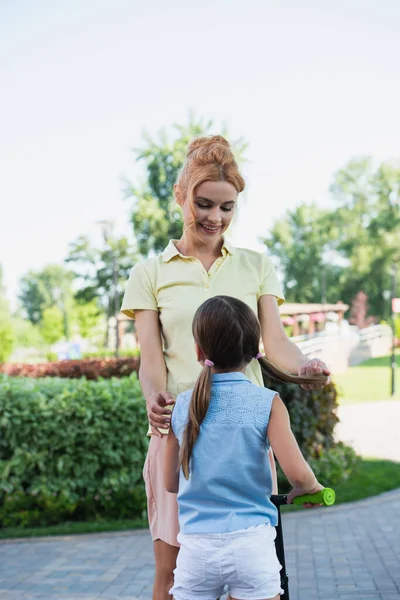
[326,496]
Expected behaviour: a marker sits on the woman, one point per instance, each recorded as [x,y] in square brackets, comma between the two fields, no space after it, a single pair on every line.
[163,294]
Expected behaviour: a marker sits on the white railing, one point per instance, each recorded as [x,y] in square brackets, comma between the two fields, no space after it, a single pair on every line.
[321,342]
[374,332]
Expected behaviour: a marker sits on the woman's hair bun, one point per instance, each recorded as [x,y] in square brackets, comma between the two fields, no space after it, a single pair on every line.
[209,149]
[207,142]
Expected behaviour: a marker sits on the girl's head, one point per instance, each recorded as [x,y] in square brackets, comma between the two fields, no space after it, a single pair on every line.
[227,335]
[226,332]
[208,186]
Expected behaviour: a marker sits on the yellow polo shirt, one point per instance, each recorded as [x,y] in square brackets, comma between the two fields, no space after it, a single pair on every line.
[175,285]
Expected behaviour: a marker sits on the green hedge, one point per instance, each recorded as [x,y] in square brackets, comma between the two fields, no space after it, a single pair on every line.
[313,419]
[71,450]
[74,449]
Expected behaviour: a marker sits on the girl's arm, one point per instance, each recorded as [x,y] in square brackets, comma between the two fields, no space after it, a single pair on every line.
[279,349]
[171,463]
[152,370]
[288,453]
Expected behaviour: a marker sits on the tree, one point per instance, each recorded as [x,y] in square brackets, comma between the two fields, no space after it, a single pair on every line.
[87,318]
[26,335]
[366,223]
[93,269]
[155,217]
[362,232]
[300,241]
[6,331]
[46,288]
[52,324]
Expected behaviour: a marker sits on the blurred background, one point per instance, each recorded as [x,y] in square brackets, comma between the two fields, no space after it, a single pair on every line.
[98,103]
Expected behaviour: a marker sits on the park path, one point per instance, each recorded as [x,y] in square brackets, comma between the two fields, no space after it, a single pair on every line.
[372,428]
[348,552]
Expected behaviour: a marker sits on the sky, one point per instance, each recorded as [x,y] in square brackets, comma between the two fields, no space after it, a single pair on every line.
[309,85]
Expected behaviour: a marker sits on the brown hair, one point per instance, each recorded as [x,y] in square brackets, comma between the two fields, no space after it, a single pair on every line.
[208,159]
[228,333]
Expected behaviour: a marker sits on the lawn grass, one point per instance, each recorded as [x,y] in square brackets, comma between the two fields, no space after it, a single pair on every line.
[71,528]
[368,382]
[372,477]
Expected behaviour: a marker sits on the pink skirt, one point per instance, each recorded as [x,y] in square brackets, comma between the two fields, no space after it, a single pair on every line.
[162,507]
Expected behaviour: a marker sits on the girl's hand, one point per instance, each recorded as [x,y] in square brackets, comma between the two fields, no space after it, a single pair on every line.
[300,492]
[315,367]
[159,416]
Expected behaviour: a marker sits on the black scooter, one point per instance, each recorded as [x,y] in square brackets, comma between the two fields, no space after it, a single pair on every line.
[325,497]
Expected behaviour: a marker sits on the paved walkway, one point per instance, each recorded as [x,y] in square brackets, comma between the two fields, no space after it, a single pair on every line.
[372,428]
[349,552]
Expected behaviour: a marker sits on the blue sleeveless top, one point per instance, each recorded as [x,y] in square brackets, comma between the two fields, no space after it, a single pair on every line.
[230,481]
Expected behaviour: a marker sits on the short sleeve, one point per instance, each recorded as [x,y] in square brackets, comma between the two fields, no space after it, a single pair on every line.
[180,414]
[270,283]
[139,293]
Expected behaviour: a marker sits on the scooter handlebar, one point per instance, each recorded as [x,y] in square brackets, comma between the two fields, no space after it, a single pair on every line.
[326,497]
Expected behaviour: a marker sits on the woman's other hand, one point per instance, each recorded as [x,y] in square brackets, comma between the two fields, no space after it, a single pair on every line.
[158,413]
[313,367]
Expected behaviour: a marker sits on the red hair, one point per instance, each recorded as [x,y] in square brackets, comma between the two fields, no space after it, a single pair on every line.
[208,159]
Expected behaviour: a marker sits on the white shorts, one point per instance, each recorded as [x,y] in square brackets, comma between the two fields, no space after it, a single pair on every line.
[245,561]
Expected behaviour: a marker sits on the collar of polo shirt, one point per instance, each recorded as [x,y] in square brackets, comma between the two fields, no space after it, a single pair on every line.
[171,250]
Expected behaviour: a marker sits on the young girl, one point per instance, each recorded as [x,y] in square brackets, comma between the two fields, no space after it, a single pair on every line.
[220,437]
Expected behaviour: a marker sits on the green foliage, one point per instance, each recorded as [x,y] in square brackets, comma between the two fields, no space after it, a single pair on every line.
[155,217]
[70,449]
[93,269]
[313,419]
[52,324]
[26,335]
[47,288]
[366,225]
[6,331]
[335,465]
[132,352]
[397,326]
[87,318]
[338,253]
[300,240]
[6,340]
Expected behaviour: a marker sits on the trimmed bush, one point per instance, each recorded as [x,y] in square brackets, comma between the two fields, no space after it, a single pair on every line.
[313,419]
[74,449]
[71,450]
[75,369]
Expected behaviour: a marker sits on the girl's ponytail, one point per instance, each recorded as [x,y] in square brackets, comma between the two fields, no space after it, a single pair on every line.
[274,372]
[199,404]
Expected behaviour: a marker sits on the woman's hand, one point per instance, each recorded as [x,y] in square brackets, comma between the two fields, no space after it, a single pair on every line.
[159,416]
[315,367]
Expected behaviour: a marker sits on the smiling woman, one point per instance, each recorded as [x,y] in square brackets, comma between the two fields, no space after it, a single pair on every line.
[211,211]
[163,294]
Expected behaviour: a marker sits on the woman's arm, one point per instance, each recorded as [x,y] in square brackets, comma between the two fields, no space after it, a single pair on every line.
[277,346]
[288,453]
[171,463]
[152,370]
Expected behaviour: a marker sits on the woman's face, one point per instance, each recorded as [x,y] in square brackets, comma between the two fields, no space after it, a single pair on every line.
[214,206]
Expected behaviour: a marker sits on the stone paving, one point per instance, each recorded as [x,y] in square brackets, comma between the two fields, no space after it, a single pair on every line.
[348,552]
